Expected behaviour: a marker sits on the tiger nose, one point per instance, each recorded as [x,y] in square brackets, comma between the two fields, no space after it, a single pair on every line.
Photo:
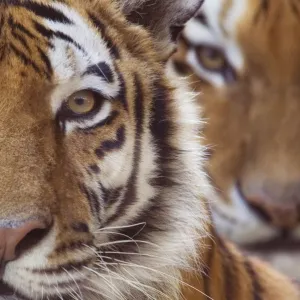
[276,204]
[11,238]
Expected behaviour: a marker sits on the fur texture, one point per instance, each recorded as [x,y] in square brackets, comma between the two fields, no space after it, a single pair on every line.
[117,189]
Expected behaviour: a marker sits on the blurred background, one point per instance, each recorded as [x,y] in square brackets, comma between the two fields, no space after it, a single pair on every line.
[244,58]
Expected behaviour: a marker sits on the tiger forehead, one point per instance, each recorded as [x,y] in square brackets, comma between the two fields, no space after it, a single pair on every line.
[274,27]
[20,46]
[31,32]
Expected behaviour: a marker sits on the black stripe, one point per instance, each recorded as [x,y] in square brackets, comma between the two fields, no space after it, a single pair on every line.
[42,10]
[26,60]
[295,8]
[61,269]
[111,145]
[20,27]
[262,9]
[80,227]
[107,122]
[101,70]
[110,196]
[73,246]
[229,270]
[265,5]
[100,26]
[46,61]
[1,24]
[257,290]
[68,39]
[131,193]
[122,96]
[208,268]
[93,200]
[45,32]
[162,128]
[2,49]
[42,30]
[94,169]
[180,67]
[21,40]
[114,196]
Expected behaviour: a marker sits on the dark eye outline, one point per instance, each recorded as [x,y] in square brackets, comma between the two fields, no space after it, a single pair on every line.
[228,73]
[66,114]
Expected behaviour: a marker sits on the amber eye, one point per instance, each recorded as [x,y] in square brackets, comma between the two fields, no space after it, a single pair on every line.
[81,103]
[211,58]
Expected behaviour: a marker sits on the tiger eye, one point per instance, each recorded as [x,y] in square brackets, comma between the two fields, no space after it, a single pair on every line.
[81,102]
[211,58]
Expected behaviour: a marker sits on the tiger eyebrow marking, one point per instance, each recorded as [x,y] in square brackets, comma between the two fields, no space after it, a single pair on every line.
[101,28]
[102,70]
[45,32]
[41,10]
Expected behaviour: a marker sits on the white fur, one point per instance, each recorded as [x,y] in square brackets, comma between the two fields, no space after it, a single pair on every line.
[238,222]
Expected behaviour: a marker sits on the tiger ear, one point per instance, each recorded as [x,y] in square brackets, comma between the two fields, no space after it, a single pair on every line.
[164,18]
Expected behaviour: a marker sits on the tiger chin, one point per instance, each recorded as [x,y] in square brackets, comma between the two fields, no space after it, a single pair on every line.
[101,168]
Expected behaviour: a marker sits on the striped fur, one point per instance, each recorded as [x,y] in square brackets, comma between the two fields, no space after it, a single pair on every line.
[230,275]
[118,190]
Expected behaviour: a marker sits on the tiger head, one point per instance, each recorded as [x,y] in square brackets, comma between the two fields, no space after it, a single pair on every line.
[99,152]
[243,56]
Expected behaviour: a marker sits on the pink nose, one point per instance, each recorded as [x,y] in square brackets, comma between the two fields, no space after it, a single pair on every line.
[10,238]
[276,203]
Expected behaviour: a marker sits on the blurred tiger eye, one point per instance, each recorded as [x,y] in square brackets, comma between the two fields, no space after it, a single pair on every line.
[81,102]
[211,58]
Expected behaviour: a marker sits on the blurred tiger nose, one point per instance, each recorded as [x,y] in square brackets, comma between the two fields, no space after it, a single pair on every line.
[275,203]
[11,238]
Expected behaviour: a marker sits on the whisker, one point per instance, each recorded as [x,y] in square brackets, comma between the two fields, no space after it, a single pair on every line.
[103,277]
[138,254]
[131,283]
[122,227]
[124,235]
[125,242]
[147,286]
[120,262]
[70,275]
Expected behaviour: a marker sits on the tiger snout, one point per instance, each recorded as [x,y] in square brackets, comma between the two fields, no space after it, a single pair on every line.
[16,237]
[277,203]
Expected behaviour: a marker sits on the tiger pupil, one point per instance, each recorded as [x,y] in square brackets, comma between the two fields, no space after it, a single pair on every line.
[80,101]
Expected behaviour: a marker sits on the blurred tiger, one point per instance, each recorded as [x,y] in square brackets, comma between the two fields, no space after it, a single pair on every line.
[244,56]
[101,164]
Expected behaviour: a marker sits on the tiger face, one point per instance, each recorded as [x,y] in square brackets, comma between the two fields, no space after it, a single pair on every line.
[244,57]
[99,155]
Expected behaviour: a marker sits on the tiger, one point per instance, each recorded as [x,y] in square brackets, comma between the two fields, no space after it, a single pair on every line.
[243,57]
[102,163]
